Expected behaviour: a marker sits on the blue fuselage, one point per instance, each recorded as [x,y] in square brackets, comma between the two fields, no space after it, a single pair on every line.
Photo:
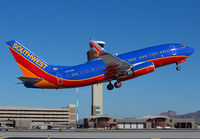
[158,54]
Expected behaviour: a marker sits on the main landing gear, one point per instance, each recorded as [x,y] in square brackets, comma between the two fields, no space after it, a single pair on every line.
[110,86]
[117,84]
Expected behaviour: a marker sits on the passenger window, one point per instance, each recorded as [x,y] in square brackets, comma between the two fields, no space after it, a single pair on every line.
[76,74]
[134,58]
[140,57]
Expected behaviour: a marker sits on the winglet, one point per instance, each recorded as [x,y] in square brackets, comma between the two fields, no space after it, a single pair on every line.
[98,48]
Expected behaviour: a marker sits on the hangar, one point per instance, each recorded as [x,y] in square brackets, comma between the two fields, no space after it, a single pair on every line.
[148,122]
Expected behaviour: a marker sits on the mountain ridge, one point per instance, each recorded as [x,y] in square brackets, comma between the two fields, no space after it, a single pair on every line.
[193,115]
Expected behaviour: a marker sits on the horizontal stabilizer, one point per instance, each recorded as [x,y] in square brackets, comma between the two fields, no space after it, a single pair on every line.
[30,79]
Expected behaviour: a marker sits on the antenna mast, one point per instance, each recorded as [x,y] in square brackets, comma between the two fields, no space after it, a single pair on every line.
[77,107]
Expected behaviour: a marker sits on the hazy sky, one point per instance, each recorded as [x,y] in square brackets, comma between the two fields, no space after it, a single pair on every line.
[59,31]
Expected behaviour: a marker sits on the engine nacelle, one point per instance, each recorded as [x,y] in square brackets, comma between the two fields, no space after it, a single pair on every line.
[130,72]
[143,68]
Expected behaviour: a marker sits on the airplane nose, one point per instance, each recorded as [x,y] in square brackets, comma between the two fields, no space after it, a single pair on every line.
[191,50]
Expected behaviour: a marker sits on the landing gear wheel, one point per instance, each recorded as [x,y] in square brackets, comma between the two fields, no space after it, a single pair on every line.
[110,86]
[178,68]
[117,84]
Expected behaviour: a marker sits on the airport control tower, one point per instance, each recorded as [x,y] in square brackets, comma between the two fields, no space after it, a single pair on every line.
[97,89]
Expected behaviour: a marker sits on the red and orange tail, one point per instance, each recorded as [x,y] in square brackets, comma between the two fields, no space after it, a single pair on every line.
[30,64]
[26,60]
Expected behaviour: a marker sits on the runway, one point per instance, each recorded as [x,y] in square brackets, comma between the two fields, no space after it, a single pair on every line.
[78,138]
[119,134]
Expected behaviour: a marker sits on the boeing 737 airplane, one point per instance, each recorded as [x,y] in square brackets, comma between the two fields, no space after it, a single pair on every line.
[39,74]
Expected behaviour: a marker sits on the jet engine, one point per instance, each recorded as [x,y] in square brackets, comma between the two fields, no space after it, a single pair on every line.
[142,69]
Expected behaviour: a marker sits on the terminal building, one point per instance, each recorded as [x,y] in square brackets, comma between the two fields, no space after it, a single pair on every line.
[149,122]
[37,118]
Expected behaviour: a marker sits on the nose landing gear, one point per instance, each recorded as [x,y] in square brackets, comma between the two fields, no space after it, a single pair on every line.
[178,68]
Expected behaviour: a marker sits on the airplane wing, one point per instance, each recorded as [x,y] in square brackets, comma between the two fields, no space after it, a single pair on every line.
[30,79]
[115,66]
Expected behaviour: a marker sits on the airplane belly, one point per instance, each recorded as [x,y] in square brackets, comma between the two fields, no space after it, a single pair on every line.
[83,82]
[167,60]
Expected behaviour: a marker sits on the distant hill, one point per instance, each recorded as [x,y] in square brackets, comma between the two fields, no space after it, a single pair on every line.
[193,115]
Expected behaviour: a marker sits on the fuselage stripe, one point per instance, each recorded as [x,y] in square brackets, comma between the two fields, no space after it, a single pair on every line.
[41,73]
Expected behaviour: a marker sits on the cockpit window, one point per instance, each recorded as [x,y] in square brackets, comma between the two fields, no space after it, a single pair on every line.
[182,46]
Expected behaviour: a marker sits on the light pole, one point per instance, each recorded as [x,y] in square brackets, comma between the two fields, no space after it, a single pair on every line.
[77,107]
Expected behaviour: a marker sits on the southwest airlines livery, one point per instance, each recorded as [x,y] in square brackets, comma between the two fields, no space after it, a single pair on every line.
[39,74]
